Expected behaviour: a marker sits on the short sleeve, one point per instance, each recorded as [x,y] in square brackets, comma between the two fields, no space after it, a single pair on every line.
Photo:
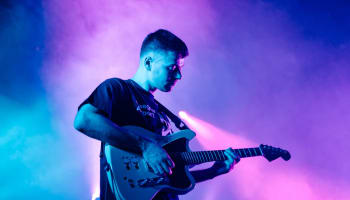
[106,96]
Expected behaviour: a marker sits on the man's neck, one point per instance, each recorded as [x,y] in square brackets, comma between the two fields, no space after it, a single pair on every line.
[141,80]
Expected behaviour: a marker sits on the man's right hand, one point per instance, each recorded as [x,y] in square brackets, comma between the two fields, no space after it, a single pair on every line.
[157,159]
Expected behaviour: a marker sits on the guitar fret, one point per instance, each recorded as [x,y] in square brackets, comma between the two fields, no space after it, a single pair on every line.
[260,152]
[245,153]
[190,157]
[193,157]
[219,155]
[223,155]
[198,157]
[240,153]
[255,151]
[211,156]
[203,156]
[207,156]
[250,152]
[255,154]
[215,155]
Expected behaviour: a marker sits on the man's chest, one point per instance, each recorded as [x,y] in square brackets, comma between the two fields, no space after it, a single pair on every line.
[144,113]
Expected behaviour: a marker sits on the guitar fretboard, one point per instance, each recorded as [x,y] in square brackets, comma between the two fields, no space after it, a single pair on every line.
[198,157]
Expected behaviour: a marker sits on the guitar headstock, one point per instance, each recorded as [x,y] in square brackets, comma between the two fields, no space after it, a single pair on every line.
[272,153]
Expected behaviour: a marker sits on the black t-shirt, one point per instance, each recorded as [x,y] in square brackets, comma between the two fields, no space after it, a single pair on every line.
[126,103]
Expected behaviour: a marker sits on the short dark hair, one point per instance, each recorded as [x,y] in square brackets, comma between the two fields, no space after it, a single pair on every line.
[164,40]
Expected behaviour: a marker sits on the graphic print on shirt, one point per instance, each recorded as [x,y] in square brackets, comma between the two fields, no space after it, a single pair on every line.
[147,111]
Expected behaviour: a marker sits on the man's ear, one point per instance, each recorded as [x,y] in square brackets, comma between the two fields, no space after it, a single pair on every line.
[148,63]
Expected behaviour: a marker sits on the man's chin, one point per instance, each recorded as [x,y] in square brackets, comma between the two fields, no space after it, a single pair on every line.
[167,88]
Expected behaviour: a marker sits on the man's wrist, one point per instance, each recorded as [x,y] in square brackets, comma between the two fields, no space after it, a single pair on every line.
[144,144]
[215,171]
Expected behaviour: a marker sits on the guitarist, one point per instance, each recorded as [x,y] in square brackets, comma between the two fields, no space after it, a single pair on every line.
[116,103]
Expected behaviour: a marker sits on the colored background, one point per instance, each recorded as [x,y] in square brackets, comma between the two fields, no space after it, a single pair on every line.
[259,71]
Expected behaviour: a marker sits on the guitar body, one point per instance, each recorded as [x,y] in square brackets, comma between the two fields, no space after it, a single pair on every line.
[130,177]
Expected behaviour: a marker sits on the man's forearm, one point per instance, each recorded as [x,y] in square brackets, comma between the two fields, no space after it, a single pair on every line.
[101,128]
[204,174]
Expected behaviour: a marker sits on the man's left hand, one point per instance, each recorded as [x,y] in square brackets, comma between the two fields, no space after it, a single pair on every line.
[223,167]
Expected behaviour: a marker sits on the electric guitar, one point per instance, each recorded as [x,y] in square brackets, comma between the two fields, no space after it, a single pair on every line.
[130,177]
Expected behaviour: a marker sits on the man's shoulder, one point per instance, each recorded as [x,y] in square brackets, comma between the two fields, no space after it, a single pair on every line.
[115,82]
[114,86]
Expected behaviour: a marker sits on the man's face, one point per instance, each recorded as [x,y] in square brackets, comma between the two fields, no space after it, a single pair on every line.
[165,70]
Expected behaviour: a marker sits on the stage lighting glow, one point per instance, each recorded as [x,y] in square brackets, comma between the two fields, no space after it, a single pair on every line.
[96,193]
[183,114]
[196,125]
[254,178]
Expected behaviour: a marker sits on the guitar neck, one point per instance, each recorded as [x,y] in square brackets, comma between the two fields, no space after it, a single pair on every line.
[198,157]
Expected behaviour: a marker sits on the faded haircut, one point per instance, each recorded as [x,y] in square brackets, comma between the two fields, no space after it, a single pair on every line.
[163,40]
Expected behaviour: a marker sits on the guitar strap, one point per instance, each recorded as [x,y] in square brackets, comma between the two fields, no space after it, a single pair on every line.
[175,119]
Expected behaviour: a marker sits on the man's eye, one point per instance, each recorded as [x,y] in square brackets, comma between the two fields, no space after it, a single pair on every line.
[172,68]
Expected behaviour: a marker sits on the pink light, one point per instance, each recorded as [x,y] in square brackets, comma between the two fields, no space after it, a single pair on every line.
[96,193]
[183,115]
[255,178]
[212,137]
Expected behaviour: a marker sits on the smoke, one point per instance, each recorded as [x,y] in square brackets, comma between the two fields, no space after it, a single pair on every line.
[275,73]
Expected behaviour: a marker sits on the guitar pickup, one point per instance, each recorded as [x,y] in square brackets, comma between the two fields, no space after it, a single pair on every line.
[149,182]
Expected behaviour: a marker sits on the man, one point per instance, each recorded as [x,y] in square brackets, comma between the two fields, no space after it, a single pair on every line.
[116,103]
